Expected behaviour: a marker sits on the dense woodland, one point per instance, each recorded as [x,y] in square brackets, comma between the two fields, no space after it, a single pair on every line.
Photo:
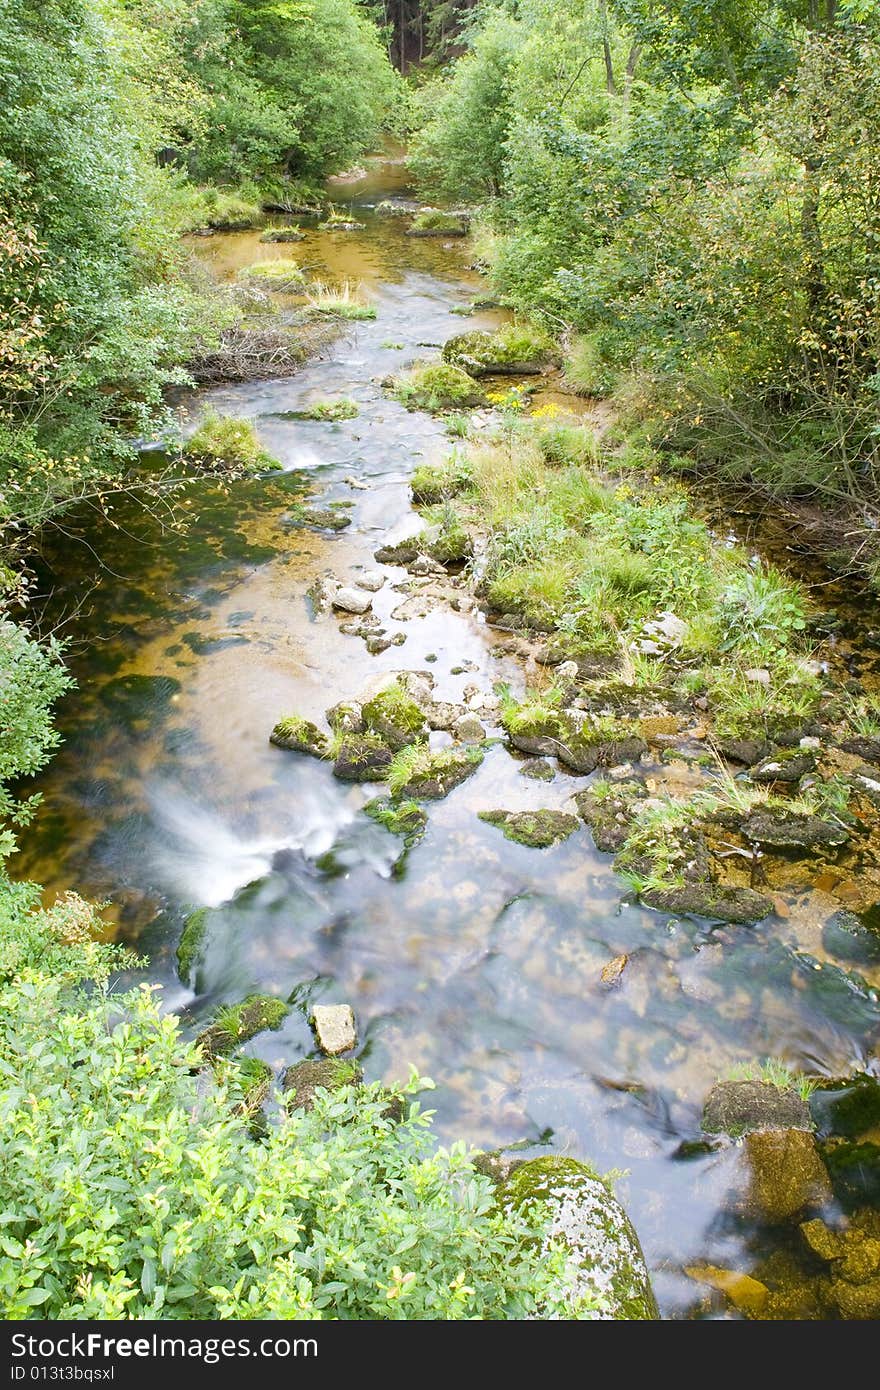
[684,194]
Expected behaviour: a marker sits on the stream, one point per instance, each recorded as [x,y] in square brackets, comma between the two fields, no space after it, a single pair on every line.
[479,964]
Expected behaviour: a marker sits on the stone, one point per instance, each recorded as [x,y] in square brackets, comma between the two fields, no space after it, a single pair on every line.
[668,630]
[189,948]
[606,1260]
[335,1028]
[536,829]
[787,1176]
[740,1107]
[324,518]
[423,565]
[862,746]
[785,829]
[300,736]
[442,716]
[400,553]
[347,717]
[847,1108]
[300,1082]
[847,938]
[788,766]
[538,770]
[362,758]
[746,1294]
[759,675]
[612,973]
[822,1240]
[371,580]
[320,595]
[743,750]
[351,601]
[610,817]
[441,772]
[708,899]
[468,729]
[235,1024]
[395,717]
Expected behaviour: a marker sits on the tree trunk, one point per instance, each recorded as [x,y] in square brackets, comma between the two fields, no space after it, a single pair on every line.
[610,84]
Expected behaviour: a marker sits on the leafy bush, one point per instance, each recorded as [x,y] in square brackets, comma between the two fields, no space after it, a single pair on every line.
[133,1188]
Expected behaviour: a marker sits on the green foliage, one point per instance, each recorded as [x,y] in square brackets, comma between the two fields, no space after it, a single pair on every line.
[32,679]
[437,386]
[438,223]
[134,1189]
[225,442]
[284,275]
[343,301]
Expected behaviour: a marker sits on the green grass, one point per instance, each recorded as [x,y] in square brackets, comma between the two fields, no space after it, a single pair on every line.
[343,301]
[222,210]
[227,442]
[775,1073]
[284,275]
[418,763]
[585,372]
[437,386]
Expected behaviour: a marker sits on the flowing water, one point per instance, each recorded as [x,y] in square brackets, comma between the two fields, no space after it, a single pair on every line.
[480,964]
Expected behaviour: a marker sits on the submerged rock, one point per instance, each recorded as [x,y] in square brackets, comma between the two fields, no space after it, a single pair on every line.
[848,1108]
[468,729]
[536,829]
[854,1168]
[708,899]
[538,770]
[606,1259]
[335,1028]
[189,947]
[362,758]
[611,974]
[847,938]
[862,746]
[324,518]
[609,812]
[787,1176]
[301,1081]
[740,1107]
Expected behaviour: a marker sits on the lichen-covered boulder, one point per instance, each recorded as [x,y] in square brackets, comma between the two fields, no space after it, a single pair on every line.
[606,1258]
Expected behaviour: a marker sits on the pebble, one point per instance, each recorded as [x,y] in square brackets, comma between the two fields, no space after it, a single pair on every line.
[335,1028]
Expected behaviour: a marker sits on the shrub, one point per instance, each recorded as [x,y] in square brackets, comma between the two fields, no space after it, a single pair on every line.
[133,1188]
[227,442]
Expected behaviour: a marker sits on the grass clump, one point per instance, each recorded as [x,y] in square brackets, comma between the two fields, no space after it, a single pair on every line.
[226,442]
[395,717]
[343,301]
[224,211]
[404,818]
[416,771]
[772,1072]
[434,483]
[284,275]
[436,387]
[283,234]
[586,372]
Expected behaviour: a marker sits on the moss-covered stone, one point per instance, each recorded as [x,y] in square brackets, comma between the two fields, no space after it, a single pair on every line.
[395,717]
[346,718]
[786,1175]
[787,765]
[235,1024]
[708,899]
[323,518]
[606,1256]
[783,829]
[436,222]
[854,1169]
[537,770]
[430,776]
[437,386]
[515,350]
[404,818]
[536,829]
[300,736]
[189,947]
[362,758]
[302,1081]
[609,811]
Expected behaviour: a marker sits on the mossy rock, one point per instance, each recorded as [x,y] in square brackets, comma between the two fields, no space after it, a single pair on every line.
[192,938]
[847,1108]
[362,758]
[513,351]
[862,746]
[406,819]
[395,717]
[400,553]
[287,277]
[439,773]
[302,1081]
[283,234]
[235,1024]
[606,1256]
[714,900]
[783,829]
[787,765]
[437,386]
[736,1108]
[346,718]
[322,518]
[610,814]
[786,1175]
[300,736]
[536,829]
[436,222]
[854,1169]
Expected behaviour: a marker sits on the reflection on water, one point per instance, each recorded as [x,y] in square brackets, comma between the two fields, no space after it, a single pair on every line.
[480,964]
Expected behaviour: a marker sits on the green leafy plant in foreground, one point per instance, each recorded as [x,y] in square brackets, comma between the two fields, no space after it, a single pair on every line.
[133,1188]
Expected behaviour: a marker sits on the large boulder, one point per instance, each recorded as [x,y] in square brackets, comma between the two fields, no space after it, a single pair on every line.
[606,1260]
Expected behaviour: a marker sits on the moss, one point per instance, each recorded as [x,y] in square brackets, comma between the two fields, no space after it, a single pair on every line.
[286,276]
[300,736]
[227,442]
[238,1023]
[404,818]
[283,234]
[536,829]
[362,758]
[437,386]
[433,483]
[606,1256]
[516,349]
[223,211]
[195,928]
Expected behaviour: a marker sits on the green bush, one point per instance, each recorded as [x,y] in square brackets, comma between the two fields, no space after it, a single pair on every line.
[132,1187]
